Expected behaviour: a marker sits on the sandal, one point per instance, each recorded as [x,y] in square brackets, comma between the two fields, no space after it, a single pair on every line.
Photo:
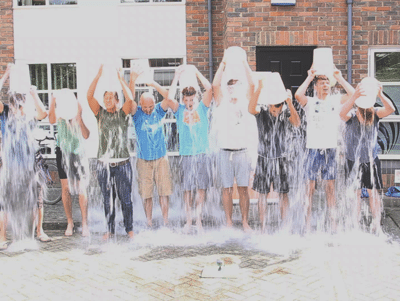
[3,245]
[44,238]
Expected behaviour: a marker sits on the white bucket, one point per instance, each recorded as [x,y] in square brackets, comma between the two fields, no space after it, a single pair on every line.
[20,80]
[142,67]
[371,88]
[234,57]
[188,78]
[323,63]
[66,104]
[276,89]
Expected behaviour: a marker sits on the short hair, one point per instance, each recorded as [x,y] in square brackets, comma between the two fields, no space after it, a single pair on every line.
[17,98]
[115,94]
[320,77]
[232,81]
[188,91]
[147,94]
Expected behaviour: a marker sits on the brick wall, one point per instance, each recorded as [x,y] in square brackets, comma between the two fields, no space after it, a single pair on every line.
[6,39]
[251,23]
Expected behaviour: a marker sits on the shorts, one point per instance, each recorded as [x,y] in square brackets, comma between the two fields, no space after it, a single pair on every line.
[196,171]
[323,160]
[154,172]
[74,165]
[271,171]
[364,174]
[234,164]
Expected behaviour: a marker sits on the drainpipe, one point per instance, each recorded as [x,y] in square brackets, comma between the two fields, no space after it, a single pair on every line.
[349,39]
[210,41]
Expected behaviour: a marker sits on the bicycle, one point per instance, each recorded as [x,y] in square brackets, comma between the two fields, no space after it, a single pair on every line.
[49,173]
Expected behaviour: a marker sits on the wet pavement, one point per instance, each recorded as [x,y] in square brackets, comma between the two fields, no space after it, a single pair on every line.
[164,264]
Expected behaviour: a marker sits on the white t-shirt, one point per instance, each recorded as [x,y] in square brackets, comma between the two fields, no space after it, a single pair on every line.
[232,125]
[322,121]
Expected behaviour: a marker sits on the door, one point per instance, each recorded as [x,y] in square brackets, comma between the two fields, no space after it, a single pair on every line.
[292,62]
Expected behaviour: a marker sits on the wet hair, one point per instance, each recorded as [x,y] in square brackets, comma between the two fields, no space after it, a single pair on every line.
[115,95]
[278,105]
[368,115]
[320,77]
[232,82]
[188,91]
[17,99]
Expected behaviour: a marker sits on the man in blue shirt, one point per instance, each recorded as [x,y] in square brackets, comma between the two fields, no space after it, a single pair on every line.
[152,163]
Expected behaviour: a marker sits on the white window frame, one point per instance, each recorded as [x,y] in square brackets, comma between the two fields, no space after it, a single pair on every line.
[47,4]
[151,89]
[151,2]
[371,72]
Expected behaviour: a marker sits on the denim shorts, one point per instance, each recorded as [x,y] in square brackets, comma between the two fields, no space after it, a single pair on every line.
[321,160]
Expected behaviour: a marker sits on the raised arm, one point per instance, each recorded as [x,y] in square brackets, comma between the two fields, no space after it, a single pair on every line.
[84,130]
[249,77]
[294,118]
[40,109]
[388,107]
[93,103]
[172,102]
[300,94]
[207,95]
[2,81]
[216,85]
[163,91]
[254,98]
[349,104]
[346,86]
[129,106]
[52,110]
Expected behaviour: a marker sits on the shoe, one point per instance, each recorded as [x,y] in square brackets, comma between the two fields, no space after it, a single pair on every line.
[44,238]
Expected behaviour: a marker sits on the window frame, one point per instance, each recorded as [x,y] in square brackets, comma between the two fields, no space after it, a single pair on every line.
[371,72]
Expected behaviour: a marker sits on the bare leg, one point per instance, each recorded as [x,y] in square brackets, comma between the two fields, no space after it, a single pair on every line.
[67,202]
[310,194]
[83,204]
[262,208]
[284,201]
[331,200]
[376,210]
[3,228]
[148,210]
[244,203]
[164,204]
[200,197]
[227,202]
[39,228]
[358,208]
[188,208]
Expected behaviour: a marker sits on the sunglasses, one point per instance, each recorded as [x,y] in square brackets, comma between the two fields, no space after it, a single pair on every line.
[278,105]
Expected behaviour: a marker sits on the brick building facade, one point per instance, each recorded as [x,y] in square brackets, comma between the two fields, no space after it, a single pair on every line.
[251,23]
[6,37]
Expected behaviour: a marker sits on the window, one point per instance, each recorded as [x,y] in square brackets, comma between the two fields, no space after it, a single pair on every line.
[49,77]
[46,2]
[163,71]
[384,65]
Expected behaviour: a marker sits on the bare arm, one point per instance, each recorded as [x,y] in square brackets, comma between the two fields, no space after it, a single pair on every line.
[40,109]
[52,110]
[173,103]
[254,99]
[294,118]
[349,104]
[346,86]
[93,103]
[216,85]
[84,130]
[163,91]
[129,106]
[388,107]
[2,81]
[300,94]
[207,95]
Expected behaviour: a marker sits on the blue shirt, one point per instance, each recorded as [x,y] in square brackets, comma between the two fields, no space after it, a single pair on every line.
[193,130]
[3,119]
[150,133]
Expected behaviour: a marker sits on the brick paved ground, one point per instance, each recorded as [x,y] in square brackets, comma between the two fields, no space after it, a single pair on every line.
[164,264]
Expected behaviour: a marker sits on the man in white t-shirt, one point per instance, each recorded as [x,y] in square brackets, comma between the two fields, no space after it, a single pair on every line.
[234,162]
[322,115]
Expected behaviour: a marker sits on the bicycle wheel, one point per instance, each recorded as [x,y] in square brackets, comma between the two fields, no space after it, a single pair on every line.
[52,195]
